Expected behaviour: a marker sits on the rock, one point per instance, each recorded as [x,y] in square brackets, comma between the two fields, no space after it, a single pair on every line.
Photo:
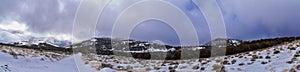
[241,64]
[148,69]
[239,69]
[292,70]
[129,67]
[225,62]
[268,57]
[253,59]
[276,52]
[171,68]
[255,56]
[106,65]
[296,55]
[250,63]
[4,51]
[264,62]
[217,67]
[202,68]
[249,54]
[260,57]
[196,67]
[204,63]
[289,62]
[156,68]
[292,48]
[240,56]
[225,58]
[294,59]
[233,61]
[298,67]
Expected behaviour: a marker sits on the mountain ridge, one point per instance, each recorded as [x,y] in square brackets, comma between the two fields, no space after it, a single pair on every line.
[143,49]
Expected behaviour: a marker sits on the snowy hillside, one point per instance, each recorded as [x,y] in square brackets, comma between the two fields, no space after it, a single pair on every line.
[219,42]
[281,57]
[284,57]
[13,59]
[9,34]
[50,41]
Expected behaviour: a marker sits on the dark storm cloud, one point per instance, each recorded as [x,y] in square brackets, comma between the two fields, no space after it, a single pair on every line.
[245,19]
[250,19]
[254,19]
[154,30]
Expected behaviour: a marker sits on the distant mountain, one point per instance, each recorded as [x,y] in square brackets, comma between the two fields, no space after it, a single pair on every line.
[36,41]
[51,41]
[224,42]
[43,43]
[119,44]
[108,44]
[141,49]
[27,38]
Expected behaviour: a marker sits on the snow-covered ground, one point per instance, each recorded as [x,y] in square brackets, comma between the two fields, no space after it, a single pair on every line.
[284,57]
[280,58]
[27,60]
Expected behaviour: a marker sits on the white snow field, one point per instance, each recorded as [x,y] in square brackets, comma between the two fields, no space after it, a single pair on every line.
[280,58]
[27,60]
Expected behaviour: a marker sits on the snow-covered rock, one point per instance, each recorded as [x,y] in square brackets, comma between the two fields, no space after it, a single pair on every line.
[107,70]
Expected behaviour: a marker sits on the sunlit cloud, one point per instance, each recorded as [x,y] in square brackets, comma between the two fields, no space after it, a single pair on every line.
[14,31]
[14,25]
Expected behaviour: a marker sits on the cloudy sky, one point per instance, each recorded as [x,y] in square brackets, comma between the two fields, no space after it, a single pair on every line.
[244,19]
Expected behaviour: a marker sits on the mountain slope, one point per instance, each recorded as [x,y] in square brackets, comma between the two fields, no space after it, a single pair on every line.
[15,59]
[283,57]
[278,54]
[143,50]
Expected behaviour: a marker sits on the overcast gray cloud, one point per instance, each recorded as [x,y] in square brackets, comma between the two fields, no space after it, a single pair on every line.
[252,19]
[148,31]
[42,16]
[245,19]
